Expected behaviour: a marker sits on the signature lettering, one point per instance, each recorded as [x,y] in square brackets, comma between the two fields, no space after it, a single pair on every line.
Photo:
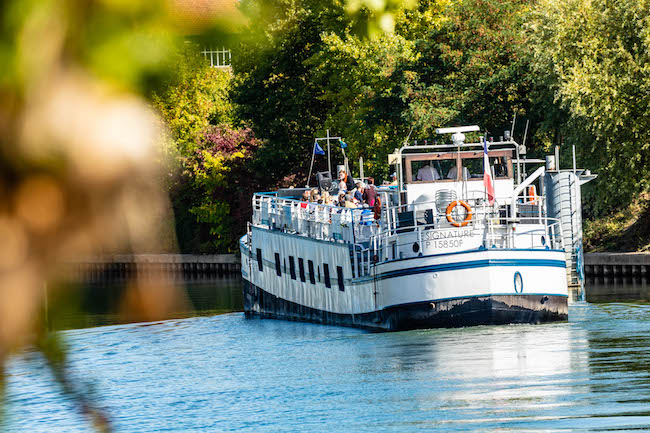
[447,234]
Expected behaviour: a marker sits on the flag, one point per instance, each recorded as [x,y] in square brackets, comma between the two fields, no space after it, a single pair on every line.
[343,144]
[488,183]
[317,149]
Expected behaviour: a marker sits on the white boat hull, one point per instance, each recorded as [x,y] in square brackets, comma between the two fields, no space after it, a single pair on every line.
[481,286]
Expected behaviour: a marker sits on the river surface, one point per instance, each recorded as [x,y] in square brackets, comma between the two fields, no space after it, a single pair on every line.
[223,372]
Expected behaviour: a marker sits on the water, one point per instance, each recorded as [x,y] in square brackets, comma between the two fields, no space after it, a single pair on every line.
[229,373]
[99,303]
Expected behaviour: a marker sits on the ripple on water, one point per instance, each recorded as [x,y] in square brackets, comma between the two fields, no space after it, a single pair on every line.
[228,373]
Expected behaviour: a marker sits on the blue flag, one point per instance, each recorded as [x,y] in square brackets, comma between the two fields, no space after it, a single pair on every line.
[343,144]
[317,149]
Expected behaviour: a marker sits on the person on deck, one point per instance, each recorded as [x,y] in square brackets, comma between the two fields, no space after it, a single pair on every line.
[427,174]
[349,202]
[369,193]
[327,198]
[314,196]
[345,178]
[358,192]
[342,184]
[341,199]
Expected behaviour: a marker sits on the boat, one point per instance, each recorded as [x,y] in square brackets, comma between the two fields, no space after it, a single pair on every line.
[447,247]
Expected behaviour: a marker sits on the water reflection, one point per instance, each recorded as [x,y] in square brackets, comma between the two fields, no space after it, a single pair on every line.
[99,303]
[617,289]
[225,373]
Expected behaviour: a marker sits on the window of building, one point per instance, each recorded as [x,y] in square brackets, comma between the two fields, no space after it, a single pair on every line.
[278,269]
[339,276]
[292,268]
[326,273]
[259,260]
[312,276]
[218,58]
[301,268]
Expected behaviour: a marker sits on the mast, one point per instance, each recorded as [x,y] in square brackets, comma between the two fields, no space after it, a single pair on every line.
[329,163]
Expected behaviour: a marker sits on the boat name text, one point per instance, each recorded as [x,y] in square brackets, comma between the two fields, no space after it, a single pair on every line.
[447,234]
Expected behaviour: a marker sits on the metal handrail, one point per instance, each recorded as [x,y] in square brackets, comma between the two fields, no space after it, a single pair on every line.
[368,237]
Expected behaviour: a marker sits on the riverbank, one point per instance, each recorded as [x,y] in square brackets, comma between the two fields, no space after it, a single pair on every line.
[126,265]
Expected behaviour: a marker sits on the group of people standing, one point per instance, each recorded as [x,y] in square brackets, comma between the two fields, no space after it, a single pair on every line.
[351,195]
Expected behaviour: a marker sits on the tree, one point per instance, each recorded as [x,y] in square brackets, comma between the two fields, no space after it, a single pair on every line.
[596,57]
[195,97]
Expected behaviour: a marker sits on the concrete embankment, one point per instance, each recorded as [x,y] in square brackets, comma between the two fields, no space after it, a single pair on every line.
[617,277]
[617,265]
[128,265]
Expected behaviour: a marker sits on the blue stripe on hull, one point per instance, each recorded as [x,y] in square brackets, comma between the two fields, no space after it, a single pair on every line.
[474,264]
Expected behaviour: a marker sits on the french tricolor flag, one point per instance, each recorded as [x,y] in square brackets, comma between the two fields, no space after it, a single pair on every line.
[488,182]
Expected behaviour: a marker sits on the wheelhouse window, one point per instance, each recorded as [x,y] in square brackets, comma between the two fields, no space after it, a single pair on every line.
[301,269]
[312,275]
[259,260]
[455,166]
[278,269]
[292,267]
[326,273]
[432,170]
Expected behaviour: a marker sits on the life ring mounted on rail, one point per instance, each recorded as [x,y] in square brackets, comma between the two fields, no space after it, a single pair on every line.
[450,209]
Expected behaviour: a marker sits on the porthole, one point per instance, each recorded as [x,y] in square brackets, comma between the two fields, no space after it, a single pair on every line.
[519,283]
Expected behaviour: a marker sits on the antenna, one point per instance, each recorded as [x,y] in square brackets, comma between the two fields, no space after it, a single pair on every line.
[456,129]
[458,137]
[409,136]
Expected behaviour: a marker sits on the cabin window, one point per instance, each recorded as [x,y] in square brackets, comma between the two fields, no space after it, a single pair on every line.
[433,170]
[292,268]
[499,167]
[312,276]
[259,260]
[278,270]
[339,276]
[452,166]
[326,273]
[301,268]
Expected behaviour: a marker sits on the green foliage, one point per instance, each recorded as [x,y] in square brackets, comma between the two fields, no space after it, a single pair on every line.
[597,55]
[275,90]
[211,156]
[196,97]
[471,68]
[305,70]
[216,171]
[361,81]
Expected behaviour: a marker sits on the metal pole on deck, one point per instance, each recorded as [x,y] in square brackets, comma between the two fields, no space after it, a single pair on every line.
[574,159]
[313,154]
[524,144]
[329,163]
[361,167]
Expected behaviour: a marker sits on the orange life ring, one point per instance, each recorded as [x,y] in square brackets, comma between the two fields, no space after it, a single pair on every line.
[451,207]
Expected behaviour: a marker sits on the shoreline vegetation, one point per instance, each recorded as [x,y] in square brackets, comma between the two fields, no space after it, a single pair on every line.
[574,73]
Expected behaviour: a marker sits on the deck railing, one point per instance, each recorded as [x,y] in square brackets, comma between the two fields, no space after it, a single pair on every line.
[370,238]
